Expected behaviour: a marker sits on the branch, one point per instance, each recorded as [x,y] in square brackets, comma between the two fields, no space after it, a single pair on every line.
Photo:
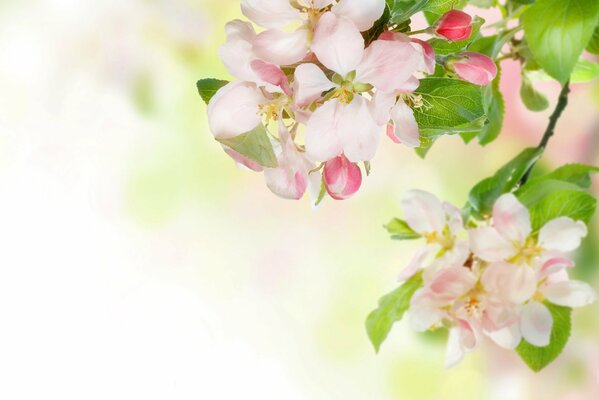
[562,103]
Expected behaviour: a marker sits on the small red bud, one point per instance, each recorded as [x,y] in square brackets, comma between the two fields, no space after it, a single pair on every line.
[342,178]
[474,68]
[454,25]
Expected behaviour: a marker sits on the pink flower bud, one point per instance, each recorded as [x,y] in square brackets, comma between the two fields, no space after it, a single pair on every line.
[474,68]
[454,25]
[342,178]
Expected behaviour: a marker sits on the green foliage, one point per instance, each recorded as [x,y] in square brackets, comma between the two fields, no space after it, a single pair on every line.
[402,10]
[255,145]
[495,106]
[400,230]
[538,358]
[560,193]
[532,99]
[450,106]
[208,88]
[557,31]
[445,47]
[482,196]
[391,309]
[593,46]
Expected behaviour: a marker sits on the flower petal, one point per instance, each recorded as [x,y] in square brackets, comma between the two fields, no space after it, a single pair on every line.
[270,13]
[323,140]
[511,218]
[423,212]
[489,245]
[508,337]
[234,110]
[570,293]
[454,353]
[236,54]
[359,132]
[337,43]
[381,105]
[514,283]
[290,179]
[562,234]
[536,323]
[310,82]
[364,13]
[272,74]
[416,263]
[406,129]
[387,64]
[281,48]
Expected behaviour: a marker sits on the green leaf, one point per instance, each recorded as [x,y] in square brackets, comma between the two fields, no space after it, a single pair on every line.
[532,99]
[208,88]
[584,71]
[575,204]
[495,113]
[400,230]
[538,358]
[578,174]
[593,46]
[557,31]
[483,3]
[445,47]
[402,10]
[391,309]
[450,106]
[482,197]
[254,145]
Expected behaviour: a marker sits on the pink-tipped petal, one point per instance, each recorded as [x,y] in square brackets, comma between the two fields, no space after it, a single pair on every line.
[271,74]
[337,43]
[508,337]
[363,13]
[243,161]
[234,110]
[536,323]
[562,234]
[428,55]
[387,65]
[423,212]
[554,265]
[342,178]
[281,48]
[511,218]
[570,293]
[475,68]
[270,13]
[489,245]
[310,82]
[406,128]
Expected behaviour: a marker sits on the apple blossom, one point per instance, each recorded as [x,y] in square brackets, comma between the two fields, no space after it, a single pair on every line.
[474,68]
[454,25]
[281,47]
[342,178]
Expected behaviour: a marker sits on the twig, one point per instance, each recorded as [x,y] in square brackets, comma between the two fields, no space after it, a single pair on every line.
[562,103]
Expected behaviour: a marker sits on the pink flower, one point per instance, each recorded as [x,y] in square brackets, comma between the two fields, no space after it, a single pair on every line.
[474,68]
[509,237]
[440,224]
[342,178]
[454,25]
[281,47]
[347,122]
[291,178]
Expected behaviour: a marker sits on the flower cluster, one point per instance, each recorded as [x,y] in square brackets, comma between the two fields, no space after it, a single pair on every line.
[328,93]
[491,280]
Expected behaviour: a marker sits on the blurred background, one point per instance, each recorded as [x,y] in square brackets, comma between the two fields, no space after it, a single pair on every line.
[137,262]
